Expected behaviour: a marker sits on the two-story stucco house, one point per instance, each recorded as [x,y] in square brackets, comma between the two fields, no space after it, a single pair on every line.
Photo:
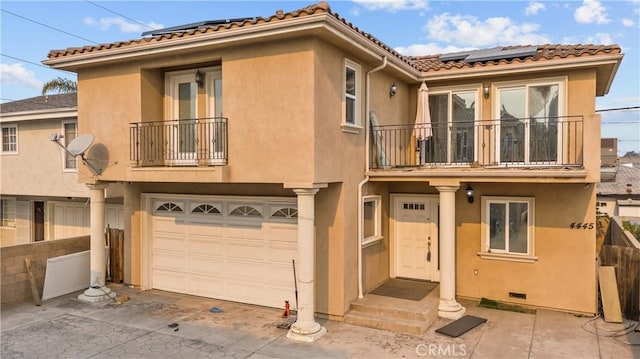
[245,144]
[40,197]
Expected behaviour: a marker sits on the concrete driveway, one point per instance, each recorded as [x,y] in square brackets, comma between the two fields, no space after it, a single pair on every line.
[144,327]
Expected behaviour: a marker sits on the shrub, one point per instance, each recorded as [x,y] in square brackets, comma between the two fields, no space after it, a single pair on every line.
[634,228]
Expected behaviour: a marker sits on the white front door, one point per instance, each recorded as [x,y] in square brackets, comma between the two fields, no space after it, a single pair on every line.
[415,236]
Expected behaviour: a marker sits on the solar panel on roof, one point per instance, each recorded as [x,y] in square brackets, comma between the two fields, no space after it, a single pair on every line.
[501,54]
[194,25]
[454,56]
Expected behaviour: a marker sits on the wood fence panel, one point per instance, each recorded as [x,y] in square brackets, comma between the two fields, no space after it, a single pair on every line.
[626,261]
[115,241]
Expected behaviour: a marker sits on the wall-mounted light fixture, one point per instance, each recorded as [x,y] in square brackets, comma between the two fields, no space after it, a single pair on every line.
[393,90]
[469,193]
[485,91]
[199,79]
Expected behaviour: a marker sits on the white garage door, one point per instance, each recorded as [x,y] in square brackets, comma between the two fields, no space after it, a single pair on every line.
[238,249]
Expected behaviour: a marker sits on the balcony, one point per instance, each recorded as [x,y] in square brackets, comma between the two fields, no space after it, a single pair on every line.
[538,143]
[194,142]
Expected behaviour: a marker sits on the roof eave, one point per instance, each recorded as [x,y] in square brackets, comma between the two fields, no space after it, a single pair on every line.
[531,67]
[49,114]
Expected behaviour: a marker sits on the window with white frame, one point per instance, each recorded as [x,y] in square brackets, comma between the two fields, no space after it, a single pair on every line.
[70,131]
[10,139]
[352,95]
[453,114]
[508,227]
[530,114]
[8,212]
[371,220]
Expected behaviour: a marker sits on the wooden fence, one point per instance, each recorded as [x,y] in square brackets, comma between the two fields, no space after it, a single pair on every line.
[626,261]
[115,267]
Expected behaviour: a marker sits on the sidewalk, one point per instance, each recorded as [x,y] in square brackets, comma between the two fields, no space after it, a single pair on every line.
[139,328]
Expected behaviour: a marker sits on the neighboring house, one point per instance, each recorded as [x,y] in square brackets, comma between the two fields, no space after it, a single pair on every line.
[243,145]
[621,196]
[40,196]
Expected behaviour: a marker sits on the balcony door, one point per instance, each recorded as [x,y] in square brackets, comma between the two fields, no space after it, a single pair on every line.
[182,117]
[453,116]
[193,115]
[528,128]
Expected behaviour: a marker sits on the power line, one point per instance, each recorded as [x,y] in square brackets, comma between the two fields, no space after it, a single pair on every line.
[619,109]
[113,12]
[47,26]
[34,63]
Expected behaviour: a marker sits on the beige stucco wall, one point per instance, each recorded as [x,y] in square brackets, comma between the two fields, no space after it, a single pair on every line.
[563,277]
[268,89]
[37,169]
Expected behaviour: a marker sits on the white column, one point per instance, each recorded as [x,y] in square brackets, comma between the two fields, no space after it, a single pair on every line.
[448,307]
[97,290]
[305,328]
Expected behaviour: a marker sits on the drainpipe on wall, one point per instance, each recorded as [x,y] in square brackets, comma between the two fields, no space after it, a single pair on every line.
[366,166]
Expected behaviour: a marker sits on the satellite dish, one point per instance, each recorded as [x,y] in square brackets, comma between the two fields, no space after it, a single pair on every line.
[79,145]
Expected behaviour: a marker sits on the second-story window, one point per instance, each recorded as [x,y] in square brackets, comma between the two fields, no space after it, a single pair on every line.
[453,120]
[351,95]
[70,130]
[9,139]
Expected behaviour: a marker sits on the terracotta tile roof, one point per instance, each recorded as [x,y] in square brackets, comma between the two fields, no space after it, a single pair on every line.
[545,52]
[424,64]
[318,8]
[49,102]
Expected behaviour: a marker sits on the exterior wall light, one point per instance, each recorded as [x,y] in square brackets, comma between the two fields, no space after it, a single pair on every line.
[469,190]
[393,90]
[485,91]
[199,79]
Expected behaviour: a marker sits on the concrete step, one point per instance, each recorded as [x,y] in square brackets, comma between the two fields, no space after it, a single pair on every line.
[369,320]
[393,314]
[390,311]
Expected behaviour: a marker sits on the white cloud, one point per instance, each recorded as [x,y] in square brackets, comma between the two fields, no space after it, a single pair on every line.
[600,38]
[105,23]
[628,22]
[591,12]
[466,30]
[430,49]
[533,8]
[393,5]
[17,74]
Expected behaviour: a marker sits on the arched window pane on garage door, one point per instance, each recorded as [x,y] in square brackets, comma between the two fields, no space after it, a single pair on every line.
[169,207]
[206,209]
[287,212]
[245,211]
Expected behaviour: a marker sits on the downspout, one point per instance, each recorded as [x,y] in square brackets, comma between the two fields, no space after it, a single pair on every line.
[366,164]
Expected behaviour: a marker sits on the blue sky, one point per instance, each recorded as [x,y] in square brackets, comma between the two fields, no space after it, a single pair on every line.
[29,29]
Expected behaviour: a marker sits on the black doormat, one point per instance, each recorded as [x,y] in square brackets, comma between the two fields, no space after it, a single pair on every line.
[461,326]
[405,289]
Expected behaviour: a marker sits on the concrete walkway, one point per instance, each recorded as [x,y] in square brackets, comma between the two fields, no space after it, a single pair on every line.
[139,328]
